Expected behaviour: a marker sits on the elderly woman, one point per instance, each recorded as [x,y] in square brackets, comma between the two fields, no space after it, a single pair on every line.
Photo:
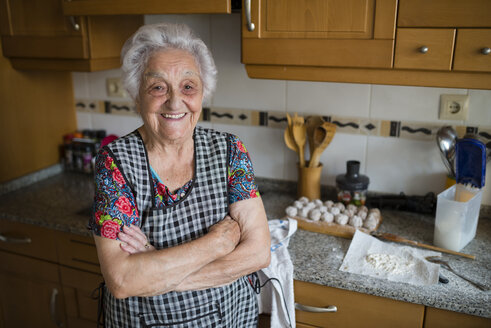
[178,221]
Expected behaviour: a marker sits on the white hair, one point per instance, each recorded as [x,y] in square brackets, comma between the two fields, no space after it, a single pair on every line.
[156,37]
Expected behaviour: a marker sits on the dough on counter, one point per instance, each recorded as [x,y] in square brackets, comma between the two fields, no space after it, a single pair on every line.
[328,203]
[291,211]
[356,221]
[309,205]
[371,221]
[362,214]
[298,204]
[318,202]
[322,208]
[341,219]
[334,210]
[327,217]
[352,208]
[315,214]
[349,212]
[363,208]
[304,212]
[375,211]
[303,199]
[340,206]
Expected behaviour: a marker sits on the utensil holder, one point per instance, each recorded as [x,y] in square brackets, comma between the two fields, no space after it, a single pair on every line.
[309,181]
[456,221]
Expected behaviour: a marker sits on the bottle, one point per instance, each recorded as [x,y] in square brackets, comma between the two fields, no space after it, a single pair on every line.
[352,186]
[87,159]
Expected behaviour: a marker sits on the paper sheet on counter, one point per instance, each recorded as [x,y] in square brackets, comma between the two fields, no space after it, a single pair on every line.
[369,256]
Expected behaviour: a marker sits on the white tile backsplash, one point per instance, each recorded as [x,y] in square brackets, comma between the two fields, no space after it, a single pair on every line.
[392,164]
[404,165]
[266,148]
[408,103]
[479,107]
[326,98]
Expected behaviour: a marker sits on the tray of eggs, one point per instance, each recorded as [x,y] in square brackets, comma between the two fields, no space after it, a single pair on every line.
[333,218]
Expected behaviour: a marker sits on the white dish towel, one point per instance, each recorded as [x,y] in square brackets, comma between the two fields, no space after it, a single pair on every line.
[281,267]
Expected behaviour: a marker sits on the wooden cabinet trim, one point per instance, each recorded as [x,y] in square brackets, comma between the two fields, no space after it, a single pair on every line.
[354,309]
[435,318]
[455,13]
[441,79]
[145,7]
[385,19]
[347,53]
[440,44]
[468,56]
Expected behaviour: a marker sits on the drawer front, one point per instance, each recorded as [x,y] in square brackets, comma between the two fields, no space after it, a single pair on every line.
[473,50]
[354,309]
[437,318]
[78,252]
[411,42]
[28,239]
[81,300]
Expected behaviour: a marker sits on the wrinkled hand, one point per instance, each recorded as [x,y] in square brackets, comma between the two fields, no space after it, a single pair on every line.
[134,240]
[227,233]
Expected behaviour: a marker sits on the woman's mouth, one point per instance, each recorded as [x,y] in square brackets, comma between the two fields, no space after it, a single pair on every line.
[173,116]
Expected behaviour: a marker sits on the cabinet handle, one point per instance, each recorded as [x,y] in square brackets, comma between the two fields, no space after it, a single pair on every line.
[24,240]
[486,51]
[250,24]
[423,49]
[75,25]
[52,308]
[307,308]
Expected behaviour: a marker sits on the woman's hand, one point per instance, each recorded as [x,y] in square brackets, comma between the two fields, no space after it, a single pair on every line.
[134,240]
[228,233]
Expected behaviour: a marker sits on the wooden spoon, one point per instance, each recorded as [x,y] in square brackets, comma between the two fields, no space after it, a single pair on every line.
[323,136]
[312,122]
[299,135]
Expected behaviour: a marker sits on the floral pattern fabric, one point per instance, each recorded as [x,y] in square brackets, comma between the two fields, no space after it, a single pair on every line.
[115,204]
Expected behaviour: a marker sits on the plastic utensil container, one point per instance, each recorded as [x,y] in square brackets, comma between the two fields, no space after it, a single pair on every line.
[455,222]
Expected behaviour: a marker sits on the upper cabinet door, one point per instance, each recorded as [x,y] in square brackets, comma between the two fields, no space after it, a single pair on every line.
[143,7]
[338,33]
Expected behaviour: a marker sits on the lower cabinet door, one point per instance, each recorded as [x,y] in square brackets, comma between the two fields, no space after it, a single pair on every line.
[353,309]
[31,295]
[80,290]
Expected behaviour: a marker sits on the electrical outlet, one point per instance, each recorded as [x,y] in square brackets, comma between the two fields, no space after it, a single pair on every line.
[454,107]
[114,88]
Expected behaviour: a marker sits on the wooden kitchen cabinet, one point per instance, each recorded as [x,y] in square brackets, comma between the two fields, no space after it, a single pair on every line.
[36,35]
[32,295]
[437,318]
[145,7]
[353,41]
[473,50]
[50,275]
[353,309]
[430,49]
[339,33]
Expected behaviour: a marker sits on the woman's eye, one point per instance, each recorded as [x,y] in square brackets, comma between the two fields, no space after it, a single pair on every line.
[157,90]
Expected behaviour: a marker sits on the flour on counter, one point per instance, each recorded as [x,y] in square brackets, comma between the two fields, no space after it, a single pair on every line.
[389,263]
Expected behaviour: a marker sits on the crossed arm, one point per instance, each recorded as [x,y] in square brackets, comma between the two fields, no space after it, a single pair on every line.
[236,246]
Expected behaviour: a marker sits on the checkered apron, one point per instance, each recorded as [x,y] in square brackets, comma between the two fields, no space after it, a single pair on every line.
[205,204]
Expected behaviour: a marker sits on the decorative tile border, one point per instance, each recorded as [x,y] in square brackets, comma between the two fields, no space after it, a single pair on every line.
[277,120]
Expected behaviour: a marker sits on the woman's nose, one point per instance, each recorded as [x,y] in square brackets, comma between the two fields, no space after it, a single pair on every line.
[174,100]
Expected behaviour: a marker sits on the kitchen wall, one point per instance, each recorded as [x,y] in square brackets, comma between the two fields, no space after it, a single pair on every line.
[401,163]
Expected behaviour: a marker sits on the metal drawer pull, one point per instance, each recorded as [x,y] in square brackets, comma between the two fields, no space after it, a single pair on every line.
[306,308]
[250,24]
[25,240]
[486,51]
[423,49]
[52,308]
[75,25]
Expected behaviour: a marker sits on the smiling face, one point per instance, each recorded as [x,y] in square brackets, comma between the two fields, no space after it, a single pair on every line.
[170,96]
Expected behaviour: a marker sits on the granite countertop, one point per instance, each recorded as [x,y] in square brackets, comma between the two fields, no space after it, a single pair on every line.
[62,201]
